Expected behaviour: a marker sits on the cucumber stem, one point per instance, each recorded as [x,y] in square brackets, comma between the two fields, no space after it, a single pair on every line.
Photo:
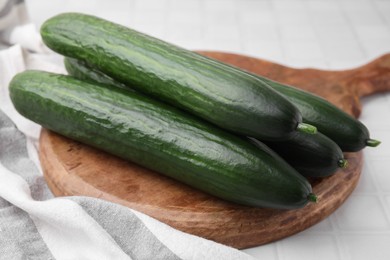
[372,142]
[342,163]
[306,128]
[312,197]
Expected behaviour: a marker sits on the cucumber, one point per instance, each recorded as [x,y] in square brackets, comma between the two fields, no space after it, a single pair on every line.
[82,71]
[160,137]
[218,93]
[349,133]
[311,155]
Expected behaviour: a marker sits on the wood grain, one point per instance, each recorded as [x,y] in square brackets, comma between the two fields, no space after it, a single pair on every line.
[72,168]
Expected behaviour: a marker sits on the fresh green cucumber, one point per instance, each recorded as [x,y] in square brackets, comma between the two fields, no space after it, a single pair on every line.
[349,133]
[82,71]
[223,95]
[160,137]
[311,155]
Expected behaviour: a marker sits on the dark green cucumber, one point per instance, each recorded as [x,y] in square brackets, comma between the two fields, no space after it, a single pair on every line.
[160,137]
[311,155]
[82,71]
[349,133]
[223,95]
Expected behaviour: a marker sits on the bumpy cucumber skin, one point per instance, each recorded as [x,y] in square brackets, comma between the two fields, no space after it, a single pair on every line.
[82,71]
[349,133]
[311,155]
[159,137]
[216,92]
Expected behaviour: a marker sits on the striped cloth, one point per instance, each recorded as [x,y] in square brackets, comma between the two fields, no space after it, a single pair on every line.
[35,225]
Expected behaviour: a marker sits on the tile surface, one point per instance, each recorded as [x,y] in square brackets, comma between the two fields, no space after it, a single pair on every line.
[332,34]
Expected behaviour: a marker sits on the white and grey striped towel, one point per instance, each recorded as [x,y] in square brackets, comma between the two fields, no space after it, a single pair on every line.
[35,225]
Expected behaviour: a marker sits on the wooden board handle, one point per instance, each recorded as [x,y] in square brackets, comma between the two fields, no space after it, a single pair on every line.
[371,78]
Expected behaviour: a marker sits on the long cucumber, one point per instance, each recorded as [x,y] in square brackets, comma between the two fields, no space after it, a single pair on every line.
[161,138]
[218,93]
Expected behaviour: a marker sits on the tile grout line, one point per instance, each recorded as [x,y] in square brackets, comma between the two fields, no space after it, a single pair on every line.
[345,232]
[238,20]
[381,195]
[353,30]
[284,59]
[336,237]
[335,233]
[132,7]
[387,23]
[384,21]
[203,25]
[279,250]
[165,10]
[317,38]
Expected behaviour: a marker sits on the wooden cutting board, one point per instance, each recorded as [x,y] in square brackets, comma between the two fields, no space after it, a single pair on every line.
[72,168]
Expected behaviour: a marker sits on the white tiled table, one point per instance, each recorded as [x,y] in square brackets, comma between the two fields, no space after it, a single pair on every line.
[328,34]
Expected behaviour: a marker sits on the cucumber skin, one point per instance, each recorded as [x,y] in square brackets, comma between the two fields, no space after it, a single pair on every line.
[311,155]
[349,133]
[161,138]
[81,71]
[216,92]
